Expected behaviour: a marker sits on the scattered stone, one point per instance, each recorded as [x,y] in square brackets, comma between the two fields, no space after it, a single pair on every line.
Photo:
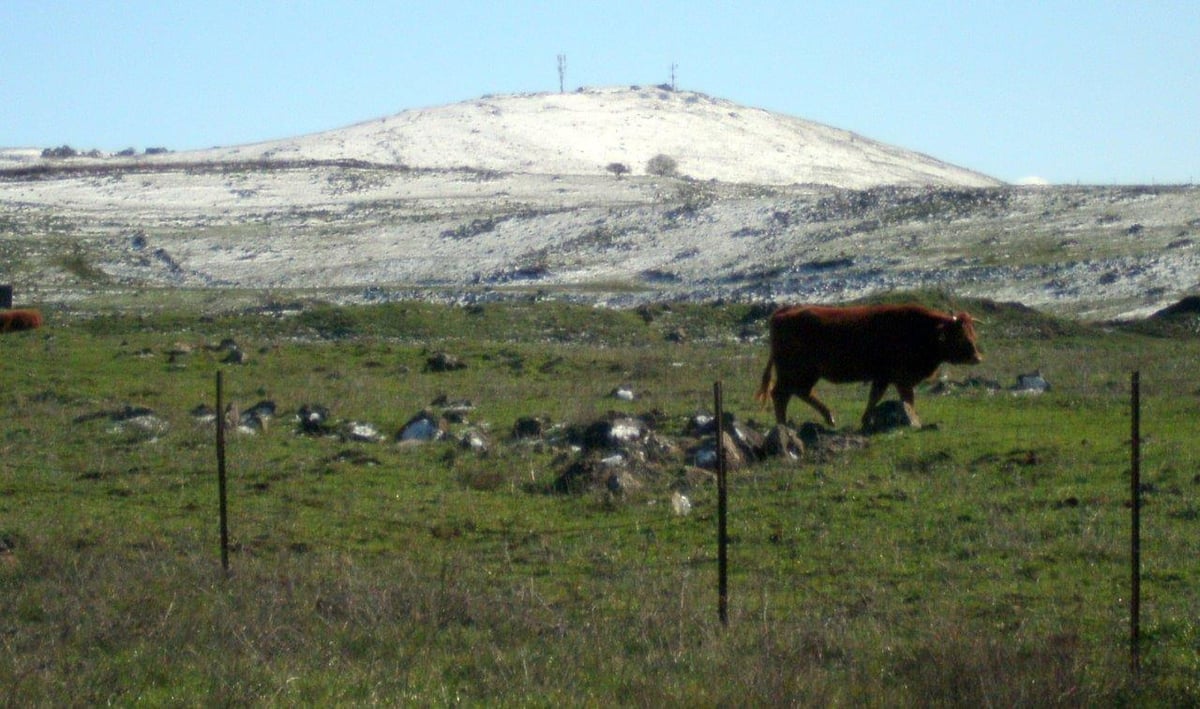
[1031,383]
[705,456]
[680,504]
[455,411]
[616,460]
[443,362]
[360,431]
[749,442]
[425,426]
[529,427]
[314,420]
[263,409]
[139,421]
[946,386]
[735,457]
[204,413]
[248,422]
[701,425]
[474,441]
[656,448]
[622,393]
[783,442]
[616,431]
[890,415]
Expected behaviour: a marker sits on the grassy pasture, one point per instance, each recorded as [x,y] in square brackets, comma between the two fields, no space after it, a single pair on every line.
[981,561]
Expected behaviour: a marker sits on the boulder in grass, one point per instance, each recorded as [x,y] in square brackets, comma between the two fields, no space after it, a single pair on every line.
[443,362]
[529,427]
[1031,383]
[314,420]
[890,415]
[425,426]
[783,442]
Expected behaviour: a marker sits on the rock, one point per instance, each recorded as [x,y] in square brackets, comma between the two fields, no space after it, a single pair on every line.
[360,431]
[454,411]
[255,419]
[783,442]
[616,432]
[529,427]
[889,415]
[443,362]
[622,393]
[425,426]
[313,420]
[1031,383]
[680,504]
[735,457]
[203,414]
[706,455]
[251,423]
[701,425]
[475,441]
[264,409]
[748,441]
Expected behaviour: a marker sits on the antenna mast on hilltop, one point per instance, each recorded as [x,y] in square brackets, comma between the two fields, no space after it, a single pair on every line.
[562,71]
[674,66]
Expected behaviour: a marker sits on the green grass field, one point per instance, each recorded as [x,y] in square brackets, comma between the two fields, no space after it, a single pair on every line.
[982,560]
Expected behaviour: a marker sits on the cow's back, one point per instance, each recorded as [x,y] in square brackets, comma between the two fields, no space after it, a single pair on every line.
[17,320]
[857,343]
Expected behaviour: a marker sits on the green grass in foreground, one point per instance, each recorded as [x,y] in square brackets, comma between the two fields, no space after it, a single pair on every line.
[981,561]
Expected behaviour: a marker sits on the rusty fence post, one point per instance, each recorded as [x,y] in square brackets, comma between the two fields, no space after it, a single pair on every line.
[722,517]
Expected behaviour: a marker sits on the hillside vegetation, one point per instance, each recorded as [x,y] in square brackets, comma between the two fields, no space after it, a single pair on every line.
[980,560]
[565,194]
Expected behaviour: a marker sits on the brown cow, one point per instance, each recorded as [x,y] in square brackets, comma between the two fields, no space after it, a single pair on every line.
[14,320]
[881,344]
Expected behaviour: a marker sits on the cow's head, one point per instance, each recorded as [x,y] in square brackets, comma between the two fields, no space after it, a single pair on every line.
[956,338]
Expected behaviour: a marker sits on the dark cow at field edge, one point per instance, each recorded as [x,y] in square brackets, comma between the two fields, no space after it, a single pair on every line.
[16,320]
[882,344]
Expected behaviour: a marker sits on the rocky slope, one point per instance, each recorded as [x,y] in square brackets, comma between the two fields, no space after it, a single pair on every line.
[481,204]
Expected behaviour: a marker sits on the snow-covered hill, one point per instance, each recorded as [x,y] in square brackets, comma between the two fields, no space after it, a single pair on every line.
[581,133]
[512,194]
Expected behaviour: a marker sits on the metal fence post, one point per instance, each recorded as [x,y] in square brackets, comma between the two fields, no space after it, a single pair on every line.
[722,497]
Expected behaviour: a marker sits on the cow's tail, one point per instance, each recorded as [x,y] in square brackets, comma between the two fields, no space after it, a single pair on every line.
[764,388]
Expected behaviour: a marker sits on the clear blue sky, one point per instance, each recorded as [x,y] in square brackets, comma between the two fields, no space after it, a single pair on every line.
[1090,91]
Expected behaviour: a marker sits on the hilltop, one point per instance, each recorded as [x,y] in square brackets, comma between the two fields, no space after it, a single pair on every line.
[511,195]
[583,132]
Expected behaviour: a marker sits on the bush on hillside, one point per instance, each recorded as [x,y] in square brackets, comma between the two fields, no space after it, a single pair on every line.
[662,165]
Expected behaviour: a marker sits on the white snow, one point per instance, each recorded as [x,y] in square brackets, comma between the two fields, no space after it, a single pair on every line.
[581,133]
[510,192]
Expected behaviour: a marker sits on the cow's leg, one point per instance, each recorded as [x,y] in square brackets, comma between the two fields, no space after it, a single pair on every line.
[808,397]
[780,396]
[907,395]
[877,389]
